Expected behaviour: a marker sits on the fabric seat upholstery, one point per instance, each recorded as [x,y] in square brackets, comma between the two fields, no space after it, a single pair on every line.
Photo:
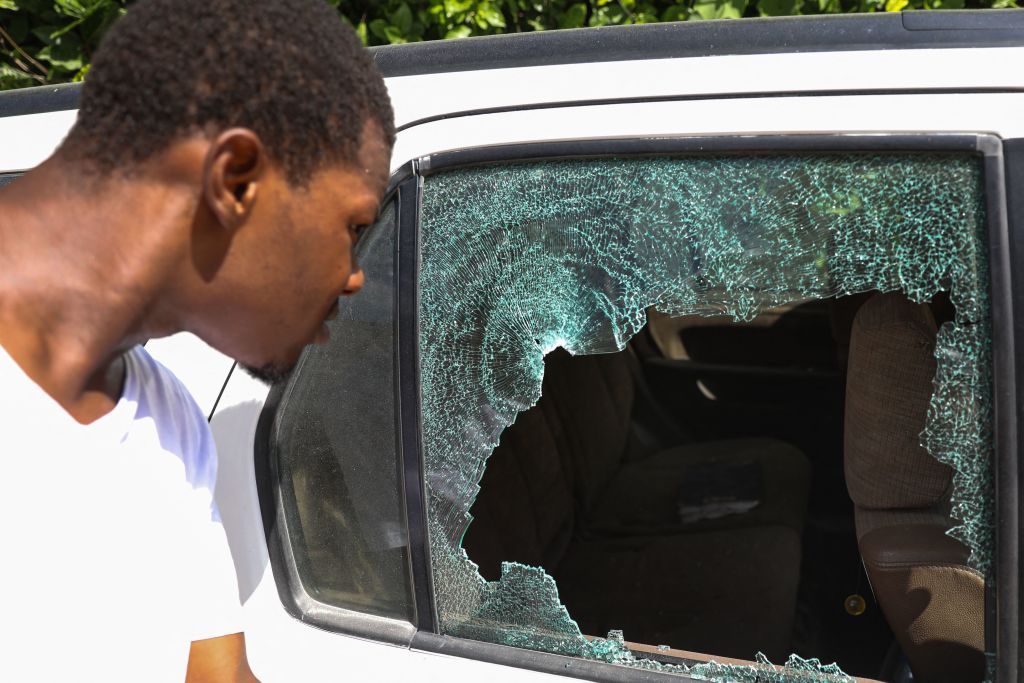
[641,497]
[728,593]
[592,398]
[561,470]
[933,601]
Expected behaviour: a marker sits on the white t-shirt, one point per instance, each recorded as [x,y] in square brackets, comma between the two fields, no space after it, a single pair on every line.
[112,555]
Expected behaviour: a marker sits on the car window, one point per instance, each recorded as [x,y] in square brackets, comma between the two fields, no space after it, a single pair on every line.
[535,279]
[336,449]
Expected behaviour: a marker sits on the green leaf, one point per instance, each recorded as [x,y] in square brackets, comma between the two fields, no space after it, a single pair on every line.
[720,9]
[895,5]
[676,13]
[574,16]
[491,15]
[459,32]
[44,33]
[80,76]
[71,8]
[361,32]
[11,77]
[67,62]
[394,36]
[611,15]
[379,28]
[8,4]
[455,7]
[401,18]
[778,8]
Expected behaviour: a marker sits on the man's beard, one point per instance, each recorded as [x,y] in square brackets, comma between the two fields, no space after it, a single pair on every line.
[268,374]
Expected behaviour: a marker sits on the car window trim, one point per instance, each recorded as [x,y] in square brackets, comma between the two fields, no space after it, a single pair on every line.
[754,95]
[1009,474]
[408,377]
[820,33]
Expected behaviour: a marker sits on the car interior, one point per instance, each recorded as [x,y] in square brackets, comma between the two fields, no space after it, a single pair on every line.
[731,488]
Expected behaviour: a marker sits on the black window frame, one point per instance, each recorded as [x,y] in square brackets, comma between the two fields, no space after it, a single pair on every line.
[297,601]
[1000,160]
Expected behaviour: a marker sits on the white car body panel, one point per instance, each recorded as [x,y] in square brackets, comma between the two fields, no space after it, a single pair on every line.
[240,405]
[415,97]
[30,139]
[198,365]
[871,114]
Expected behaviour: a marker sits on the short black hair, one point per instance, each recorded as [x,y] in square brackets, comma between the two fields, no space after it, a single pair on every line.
[290,70]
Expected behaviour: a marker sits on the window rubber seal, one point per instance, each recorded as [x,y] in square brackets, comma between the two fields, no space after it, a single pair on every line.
[1009,436]
[408,374]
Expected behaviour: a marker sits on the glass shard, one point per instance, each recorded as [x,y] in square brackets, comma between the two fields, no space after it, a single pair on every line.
[519,259]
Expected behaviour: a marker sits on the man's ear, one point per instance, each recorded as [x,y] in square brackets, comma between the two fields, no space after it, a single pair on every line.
[232,170]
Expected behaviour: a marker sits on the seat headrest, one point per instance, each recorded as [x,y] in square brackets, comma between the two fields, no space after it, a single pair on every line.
[888,389]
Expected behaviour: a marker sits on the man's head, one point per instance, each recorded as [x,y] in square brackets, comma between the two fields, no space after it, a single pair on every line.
[273,116]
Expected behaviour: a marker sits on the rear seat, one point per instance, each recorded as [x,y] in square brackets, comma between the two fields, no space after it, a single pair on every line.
[557,493]
[592,397]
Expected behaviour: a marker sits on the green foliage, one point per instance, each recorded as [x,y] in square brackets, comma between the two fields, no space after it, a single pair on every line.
[51,41]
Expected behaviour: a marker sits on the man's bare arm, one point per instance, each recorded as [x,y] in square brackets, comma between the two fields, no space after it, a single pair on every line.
[219,660]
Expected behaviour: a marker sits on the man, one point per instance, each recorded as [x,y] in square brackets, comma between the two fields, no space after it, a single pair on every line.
[226,156]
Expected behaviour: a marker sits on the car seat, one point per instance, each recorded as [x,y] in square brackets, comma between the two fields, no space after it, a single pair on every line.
[933,601]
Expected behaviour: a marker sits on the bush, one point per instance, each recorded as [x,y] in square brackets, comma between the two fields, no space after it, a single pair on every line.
[51,41]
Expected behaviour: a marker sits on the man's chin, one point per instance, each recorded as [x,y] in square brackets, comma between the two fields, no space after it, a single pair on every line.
[269,373]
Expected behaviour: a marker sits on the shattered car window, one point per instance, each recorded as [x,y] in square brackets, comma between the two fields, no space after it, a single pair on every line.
[520,259]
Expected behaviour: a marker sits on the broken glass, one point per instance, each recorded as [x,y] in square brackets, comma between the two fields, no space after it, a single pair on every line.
[520,259]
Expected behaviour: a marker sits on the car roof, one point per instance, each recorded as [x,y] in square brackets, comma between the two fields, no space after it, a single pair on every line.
[820,33]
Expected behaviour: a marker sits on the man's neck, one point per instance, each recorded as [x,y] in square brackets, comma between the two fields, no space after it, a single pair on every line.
[81,272]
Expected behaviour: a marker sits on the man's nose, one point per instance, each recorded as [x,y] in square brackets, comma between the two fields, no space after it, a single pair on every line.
[355,281]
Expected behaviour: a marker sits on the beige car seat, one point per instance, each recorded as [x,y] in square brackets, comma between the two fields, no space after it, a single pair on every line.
[933,601]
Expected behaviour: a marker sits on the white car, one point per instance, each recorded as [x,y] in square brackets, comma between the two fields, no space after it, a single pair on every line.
[783,255]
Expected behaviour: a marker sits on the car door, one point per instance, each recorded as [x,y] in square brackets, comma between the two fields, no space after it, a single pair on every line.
[477,109]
